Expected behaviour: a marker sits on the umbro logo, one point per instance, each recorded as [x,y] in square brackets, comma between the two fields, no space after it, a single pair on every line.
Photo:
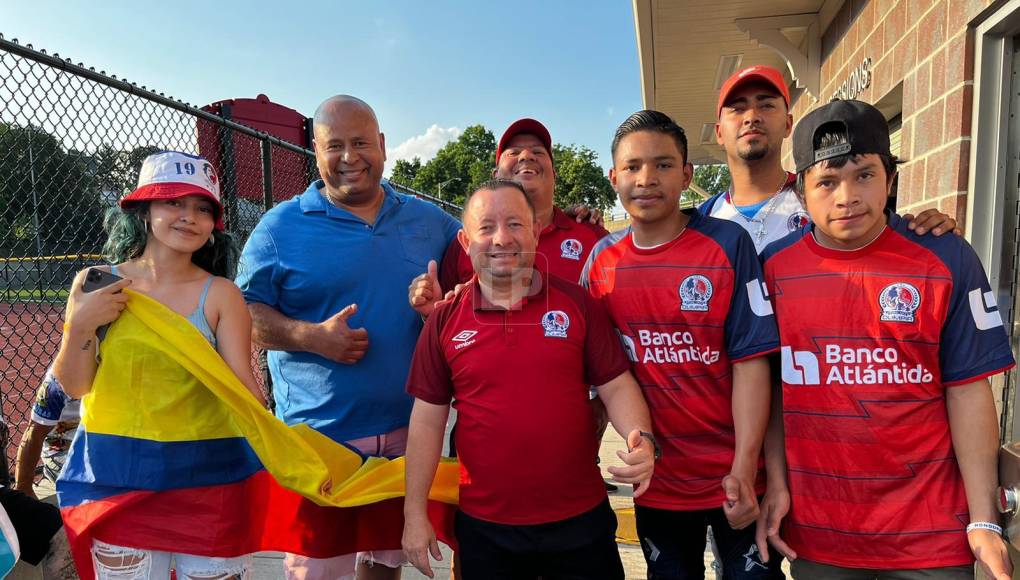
[464,339]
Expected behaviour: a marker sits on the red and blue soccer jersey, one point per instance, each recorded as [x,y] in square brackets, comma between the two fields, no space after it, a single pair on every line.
[686,311]
[871,340]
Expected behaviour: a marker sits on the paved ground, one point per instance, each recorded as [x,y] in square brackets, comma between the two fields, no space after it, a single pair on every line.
[269,565]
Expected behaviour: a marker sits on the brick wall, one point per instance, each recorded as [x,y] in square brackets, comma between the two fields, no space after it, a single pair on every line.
[926,46]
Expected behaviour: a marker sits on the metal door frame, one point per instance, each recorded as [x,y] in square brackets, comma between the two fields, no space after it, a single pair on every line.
[993,206]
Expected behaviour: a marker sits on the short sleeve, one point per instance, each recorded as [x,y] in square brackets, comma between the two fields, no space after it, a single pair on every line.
[450,228]
[455,267]
[49,401]
[604,359]
[258,267]
[974,344]
[750,323]
[429,378]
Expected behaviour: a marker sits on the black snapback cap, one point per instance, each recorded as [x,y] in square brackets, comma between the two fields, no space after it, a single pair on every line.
[865,126]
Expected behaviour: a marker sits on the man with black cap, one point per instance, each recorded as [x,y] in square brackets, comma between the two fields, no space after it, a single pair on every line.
[754,118]
[890,428]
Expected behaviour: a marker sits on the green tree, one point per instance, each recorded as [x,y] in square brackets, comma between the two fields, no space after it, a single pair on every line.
[459,166]
[712,178]
[49,199]
[579,179]
[468,161]
[405,171]
[115,171]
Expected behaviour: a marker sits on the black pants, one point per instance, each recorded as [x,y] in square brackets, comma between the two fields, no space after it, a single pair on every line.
[674,546]
[34,521]
[579,548]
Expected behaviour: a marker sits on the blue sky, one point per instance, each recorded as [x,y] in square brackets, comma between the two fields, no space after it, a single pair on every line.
[430,69]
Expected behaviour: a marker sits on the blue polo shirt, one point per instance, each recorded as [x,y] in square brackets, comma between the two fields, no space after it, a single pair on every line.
[309,259]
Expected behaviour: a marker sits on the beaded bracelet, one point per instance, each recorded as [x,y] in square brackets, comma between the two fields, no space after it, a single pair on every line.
[984,526]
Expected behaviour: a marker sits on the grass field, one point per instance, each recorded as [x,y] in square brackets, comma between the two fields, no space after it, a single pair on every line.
[35,295]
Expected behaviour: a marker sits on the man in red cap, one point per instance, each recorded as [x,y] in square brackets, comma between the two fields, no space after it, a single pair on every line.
[754,118]
[524,155]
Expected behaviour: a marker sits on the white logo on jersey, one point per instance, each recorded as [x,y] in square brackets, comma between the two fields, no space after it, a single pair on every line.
[555,323]
[758,296]
[899,301]
[984,310]
[852,366]
[571,249]
[628,346]
[464,338]
[799,367]
[678,347]
[798,221]
[695,292]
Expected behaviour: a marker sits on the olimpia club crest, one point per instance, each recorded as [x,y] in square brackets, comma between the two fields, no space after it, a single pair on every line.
[899,301]
[571,249]
[695,292]
[556,323]
[798,221]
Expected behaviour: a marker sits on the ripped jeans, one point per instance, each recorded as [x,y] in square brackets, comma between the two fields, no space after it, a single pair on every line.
[120,563]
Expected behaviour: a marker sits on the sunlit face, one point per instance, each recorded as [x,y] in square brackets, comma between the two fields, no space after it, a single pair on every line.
[753,122]
[847,204]
[526,161]
[500,233]
[649,174]
[350,153]
[183,224]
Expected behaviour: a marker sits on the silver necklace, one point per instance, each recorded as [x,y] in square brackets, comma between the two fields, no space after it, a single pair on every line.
[762,231]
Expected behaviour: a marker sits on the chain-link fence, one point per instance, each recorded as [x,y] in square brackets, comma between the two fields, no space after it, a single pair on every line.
[71,142]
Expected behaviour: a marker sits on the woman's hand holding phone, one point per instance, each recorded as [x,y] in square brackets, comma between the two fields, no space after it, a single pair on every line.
[95,301]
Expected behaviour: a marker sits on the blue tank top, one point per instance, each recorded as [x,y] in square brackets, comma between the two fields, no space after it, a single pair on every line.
[197,318]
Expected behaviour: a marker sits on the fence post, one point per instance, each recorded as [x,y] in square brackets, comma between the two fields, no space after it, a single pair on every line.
[35,215]
[311,170]
[267,175]
[229,168]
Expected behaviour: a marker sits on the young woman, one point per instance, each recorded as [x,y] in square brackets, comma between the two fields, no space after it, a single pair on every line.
[167,242]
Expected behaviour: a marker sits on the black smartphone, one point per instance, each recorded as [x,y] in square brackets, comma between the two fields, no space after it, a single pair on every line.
[94,280]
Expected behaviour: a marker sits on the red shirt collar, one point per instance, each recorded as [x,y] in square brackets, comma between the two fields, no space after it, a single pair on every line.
[560,221]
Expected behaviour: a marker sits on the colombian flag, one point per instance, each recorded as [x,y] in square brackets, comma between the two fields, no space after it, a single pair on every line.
[174,454]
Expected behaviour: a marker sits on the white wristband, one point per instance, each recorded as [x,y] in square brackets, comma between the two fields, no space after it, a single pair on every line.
[984,526]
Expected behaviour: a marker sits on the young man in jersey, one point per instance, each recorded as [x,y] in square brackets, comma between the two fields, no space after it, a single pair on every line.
[685,294]
[51,427]
[516,351]
[888,339]
[754,119]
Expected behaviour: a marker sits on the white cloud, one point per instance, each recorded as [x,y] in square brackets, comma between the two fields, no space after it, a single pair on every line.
[423,146]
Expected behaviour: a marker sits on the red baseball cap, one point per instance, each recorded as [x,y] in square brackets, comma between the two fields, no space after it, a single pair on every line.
[759,73]
[524,126]
[172,174]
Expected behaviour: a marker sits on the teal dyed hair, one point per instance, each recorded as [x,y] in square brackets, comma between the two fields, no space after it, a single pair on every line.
[127,233]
